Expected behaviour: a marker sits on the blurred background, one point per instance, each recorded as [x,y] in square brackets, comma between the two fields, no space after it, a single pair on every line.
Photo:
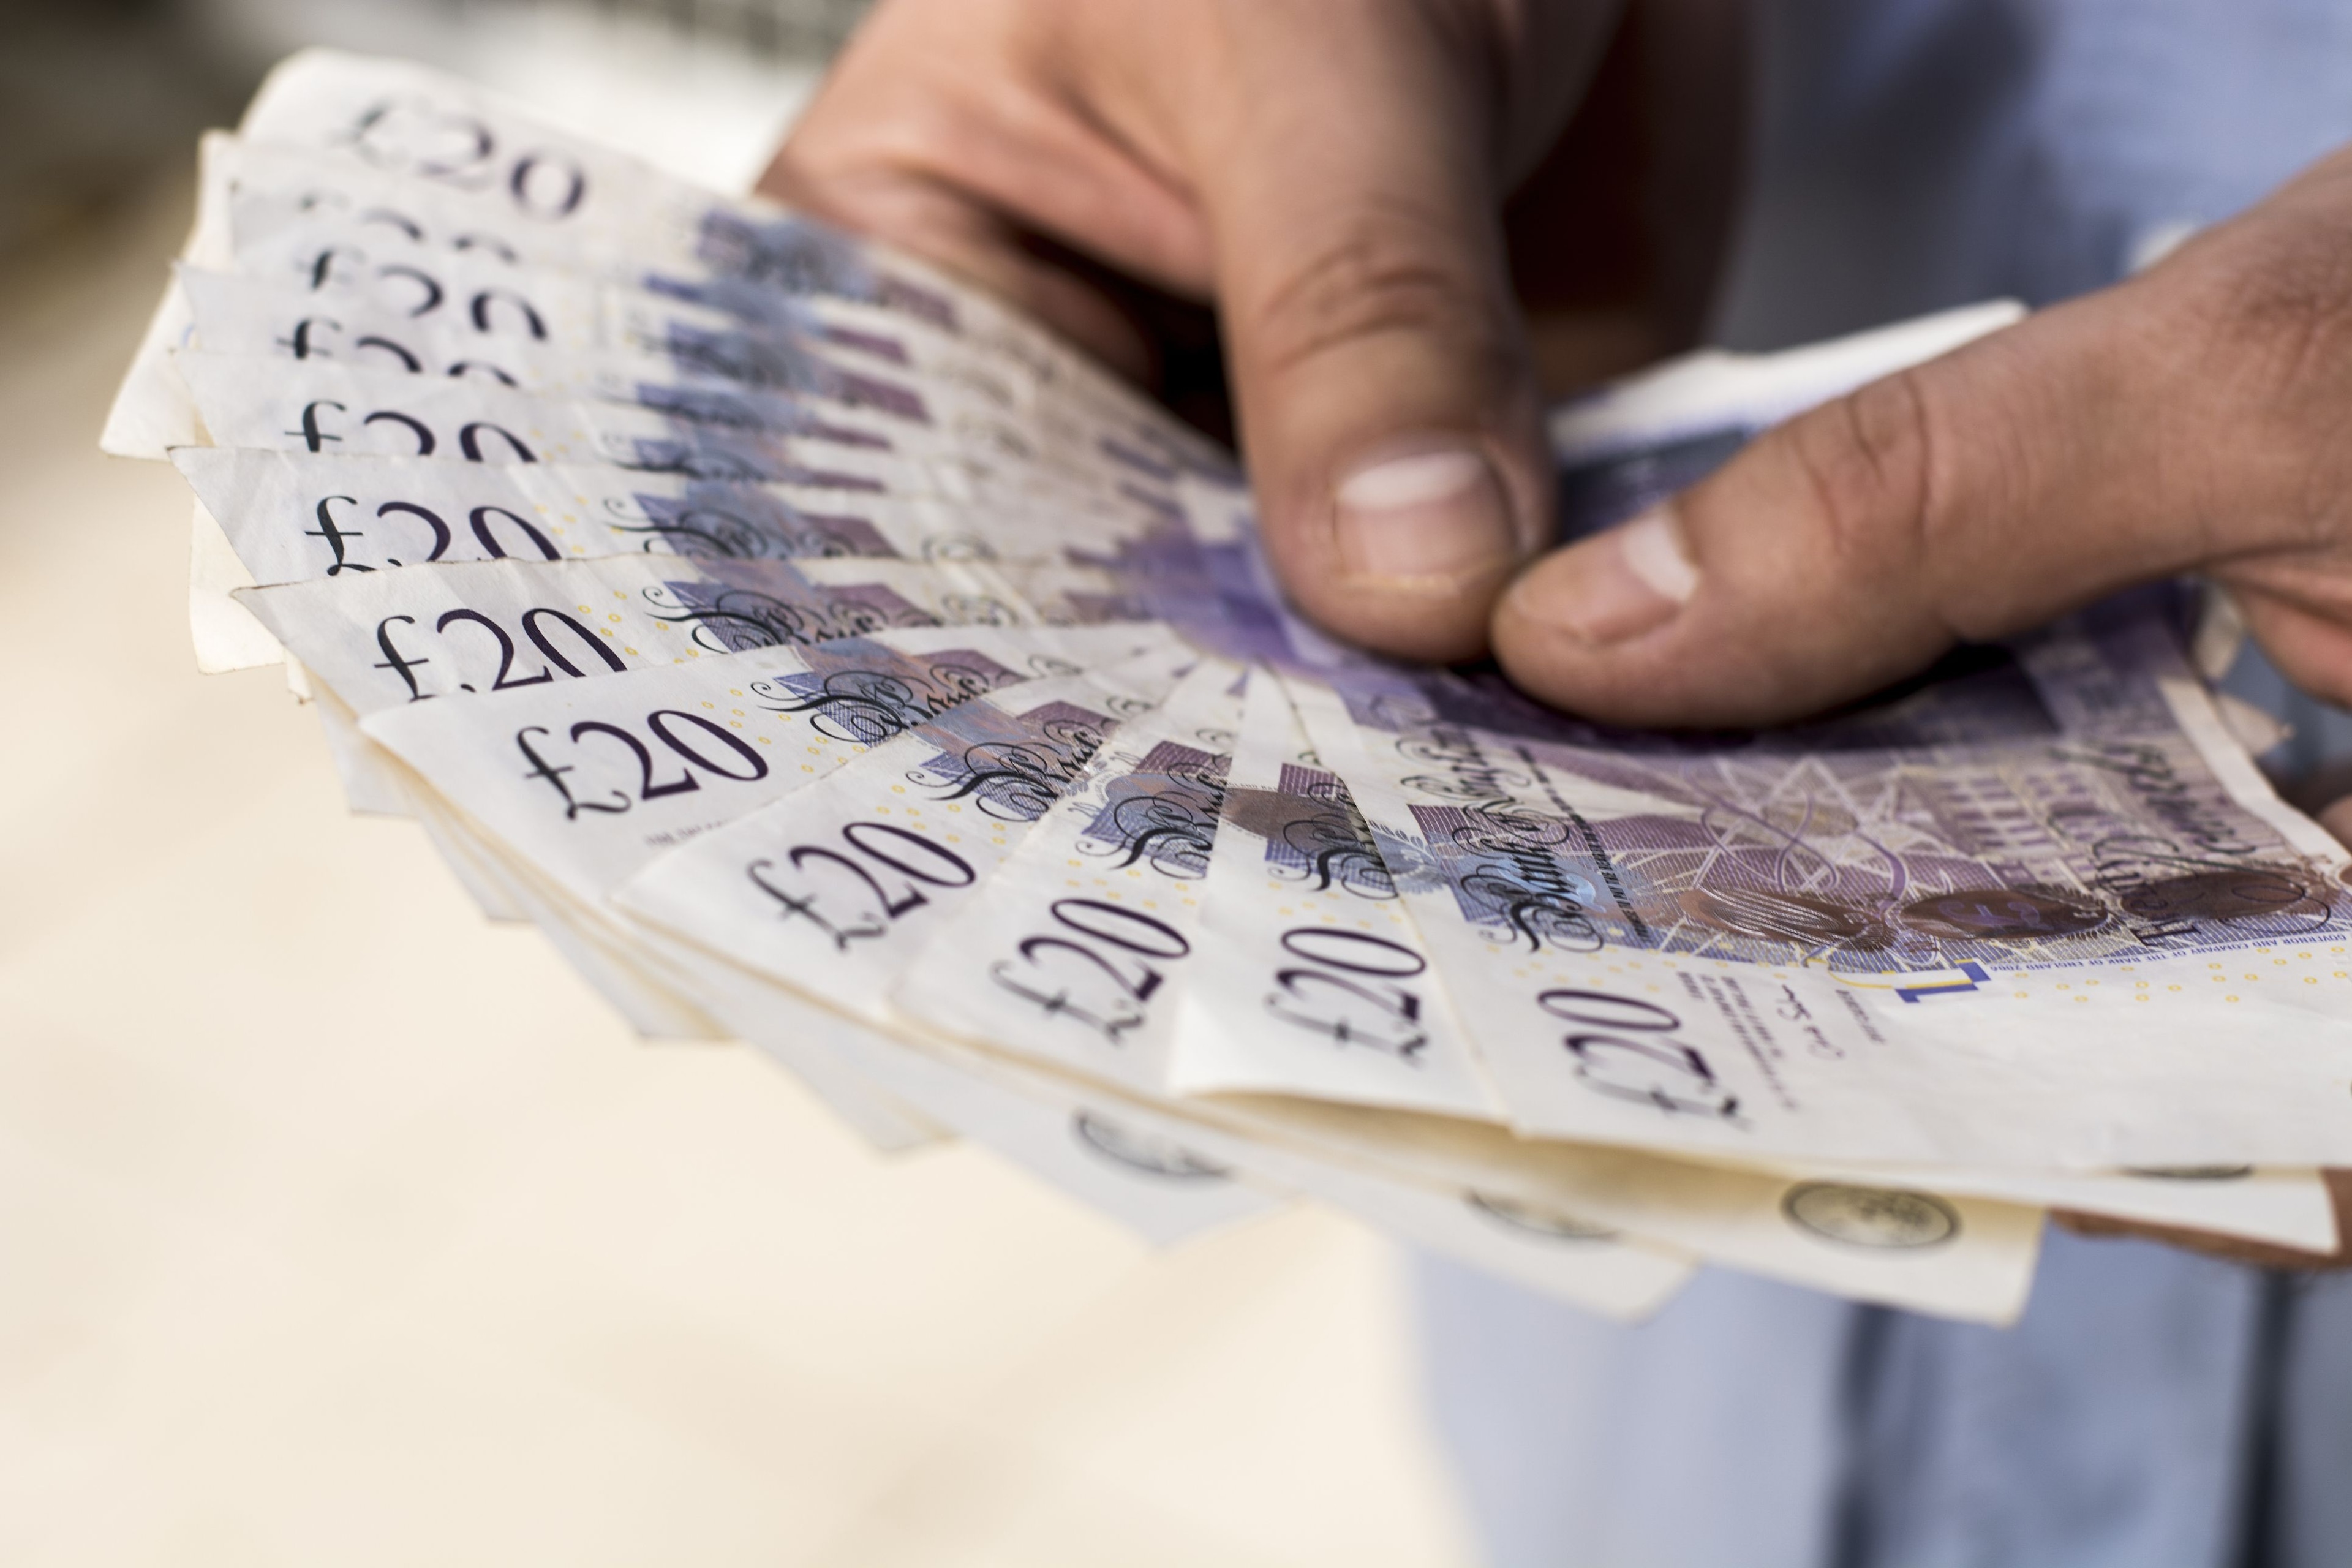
[339,1226]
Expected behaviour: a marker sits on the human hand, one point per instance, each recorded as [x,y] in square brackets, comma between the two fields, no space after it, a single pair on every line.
[1331,173]
[2189,419]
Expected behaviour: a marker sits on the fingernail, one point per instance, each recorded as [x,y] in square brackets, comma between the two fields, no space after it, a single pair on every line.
[1613,586]
[1428,519]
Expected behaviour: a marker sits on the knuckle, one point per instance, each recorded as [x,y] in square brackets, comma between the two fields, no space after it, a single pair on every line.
[2268,307]
[2275,304]
[2289,301]
[1384,271]
[1867,463]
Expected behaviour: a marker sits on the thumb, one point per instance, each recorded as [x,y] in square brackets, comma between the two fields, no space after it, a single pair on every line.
[1382,386]
[1972,496]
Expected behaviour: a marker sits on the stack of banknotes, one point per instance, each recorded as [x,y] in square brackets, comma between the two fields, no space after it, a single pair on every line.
[825,658]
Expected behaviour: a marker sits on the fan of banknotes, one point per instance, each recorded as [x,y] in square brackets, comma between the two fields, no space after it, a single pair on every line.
[824,657]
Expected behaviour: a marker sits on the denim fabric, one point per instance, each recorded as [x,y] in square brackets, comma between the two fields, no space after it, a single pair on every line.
[2152,1410]
[1712,1435]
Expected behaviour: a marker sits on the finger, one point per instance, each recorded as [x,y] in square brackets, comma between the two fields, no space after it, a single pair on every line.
[2235,1249]
[945,127]
[2337,820]
[1972,496]
[1384,393]
[2311,648]
[2185,418]
[2210,1243]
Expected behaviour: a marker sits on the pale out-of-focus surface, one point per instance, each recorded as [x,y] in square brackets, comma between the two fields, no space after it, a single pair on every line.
[339,1226]
[677,84]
